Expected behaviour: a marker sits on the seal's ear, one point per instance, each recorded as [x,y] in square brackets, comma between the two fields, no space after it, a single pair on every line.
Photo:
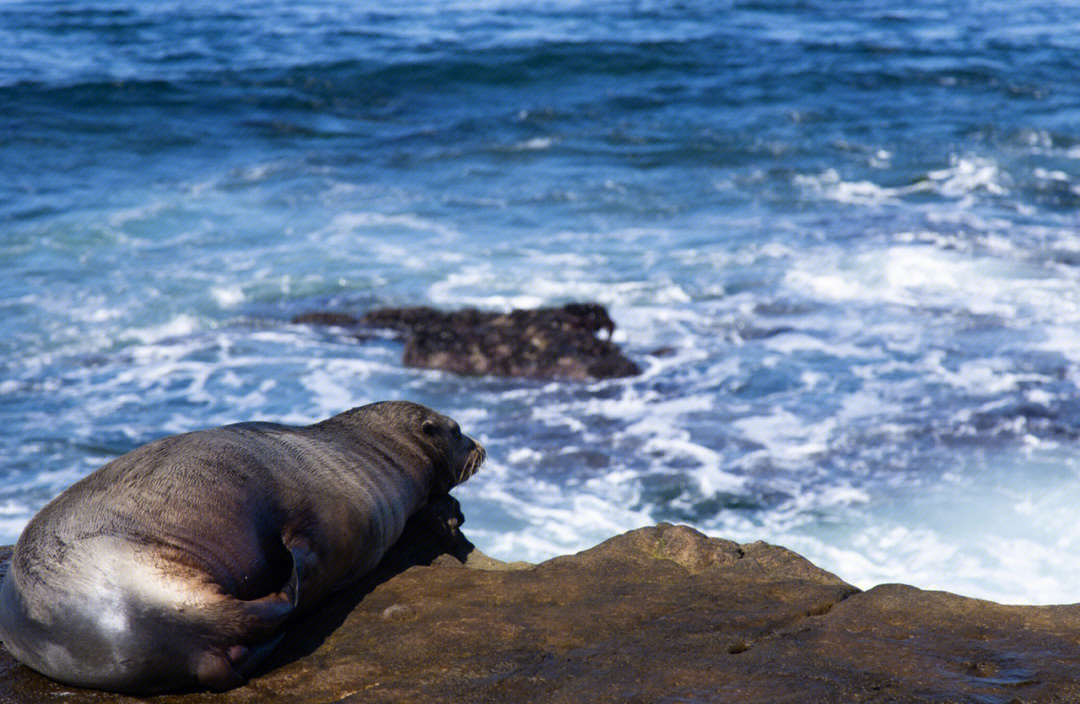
[430,427]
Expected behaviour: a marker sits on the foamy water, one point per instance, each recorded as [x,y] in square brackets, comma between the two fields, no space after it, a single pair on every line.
[841,243]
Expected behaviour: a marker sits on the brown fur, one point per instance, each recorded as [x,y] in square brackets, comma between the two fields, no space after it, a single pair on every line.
[178,564]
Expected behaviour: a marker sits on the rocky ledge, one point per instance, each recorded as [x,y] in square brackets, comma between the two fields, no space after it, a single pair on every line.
[546,343]
[660,614]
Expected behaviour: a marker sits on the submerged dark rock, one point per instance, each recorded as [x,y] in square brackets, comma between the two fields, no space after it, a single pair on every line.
[322,317]
[657,614]
[545,343]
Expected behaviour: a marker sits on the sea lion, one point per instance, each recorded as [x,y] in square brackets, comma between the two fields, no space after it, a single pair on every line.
[177,565]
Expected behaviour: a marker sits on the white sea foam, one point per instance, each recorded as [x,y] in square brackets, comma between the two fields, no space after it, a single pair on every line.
[487,286]
[228,296]
[259,172]
[829,185]
[535,520]
[120,218]
[925,276]
[351,224]
[865,403]
[523,455]
[535,144]
[1050,175]
[10,509]
[459,287]
[12,526]
[786,436]
[336,385]
[792,342]
[179,326]
[965,175]
[1064,339]
[961,180]
[708,464]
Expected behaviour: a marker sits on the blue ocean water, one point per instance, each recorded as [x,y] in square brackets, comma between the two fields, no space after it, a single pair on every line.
[855,226]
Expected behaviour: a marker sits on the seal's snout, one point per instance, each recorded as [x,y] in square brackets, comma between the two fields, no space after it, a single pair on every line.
[472,463]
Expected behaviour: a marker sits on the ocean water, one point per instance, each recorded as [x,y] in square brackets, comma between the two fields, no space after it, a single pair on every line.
[841,238]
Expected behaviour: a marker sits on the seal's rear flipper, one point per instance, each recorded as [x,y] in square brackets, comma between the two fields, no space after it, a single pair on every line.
[214,670]
[246,658]
[225,671]
[264,619]
[265,616]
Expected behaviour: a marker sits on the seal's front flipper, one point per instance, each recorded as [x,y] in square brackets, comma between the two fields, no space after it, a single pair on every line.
[305,563]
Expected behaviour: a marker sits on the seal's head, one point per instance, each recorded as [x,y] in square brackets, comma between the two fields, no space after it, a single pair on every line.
[457,455]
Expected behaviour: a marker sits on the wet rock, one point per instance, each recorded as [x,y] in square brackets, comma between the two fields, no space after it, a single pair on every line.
[658,614]
[666,351]
[546,343]
[342,320]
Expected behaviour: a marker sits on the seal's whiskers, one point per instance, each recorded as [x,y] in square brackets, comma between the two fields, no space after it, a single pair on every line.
[472,464]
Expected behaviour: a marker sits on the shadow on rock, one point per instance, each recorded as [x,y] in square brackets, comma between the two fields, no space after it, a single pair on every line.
[431,534]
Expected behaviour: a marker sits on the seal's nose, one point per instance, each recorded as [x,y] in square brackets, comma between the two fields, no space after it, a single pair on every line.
[476,457]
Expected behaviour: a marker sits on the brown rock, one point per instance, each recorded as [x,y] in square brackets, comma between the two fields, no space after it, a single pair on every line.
[545,343]
[661,614]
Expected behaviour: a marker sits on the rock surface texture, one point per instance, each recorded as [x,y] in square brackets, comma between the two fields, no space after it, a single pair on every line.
[660,614]
[546,343]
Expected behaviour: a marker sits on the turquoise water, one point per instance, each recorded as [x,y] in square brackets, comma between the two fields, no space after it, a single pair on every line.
[855,223]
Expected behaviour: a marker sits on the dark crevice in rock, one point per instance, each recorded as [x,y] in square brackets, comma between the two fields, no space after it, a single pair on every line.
[791,628]
[826,608]
[739,647]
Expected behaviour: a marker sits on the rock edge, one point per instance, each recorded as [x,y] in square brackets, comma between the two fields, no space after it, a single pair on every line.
[658,614]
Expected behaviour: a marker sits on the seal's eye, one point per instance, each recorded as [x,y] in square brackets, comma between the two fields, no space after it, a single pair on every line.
[430,427]
[455,428]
